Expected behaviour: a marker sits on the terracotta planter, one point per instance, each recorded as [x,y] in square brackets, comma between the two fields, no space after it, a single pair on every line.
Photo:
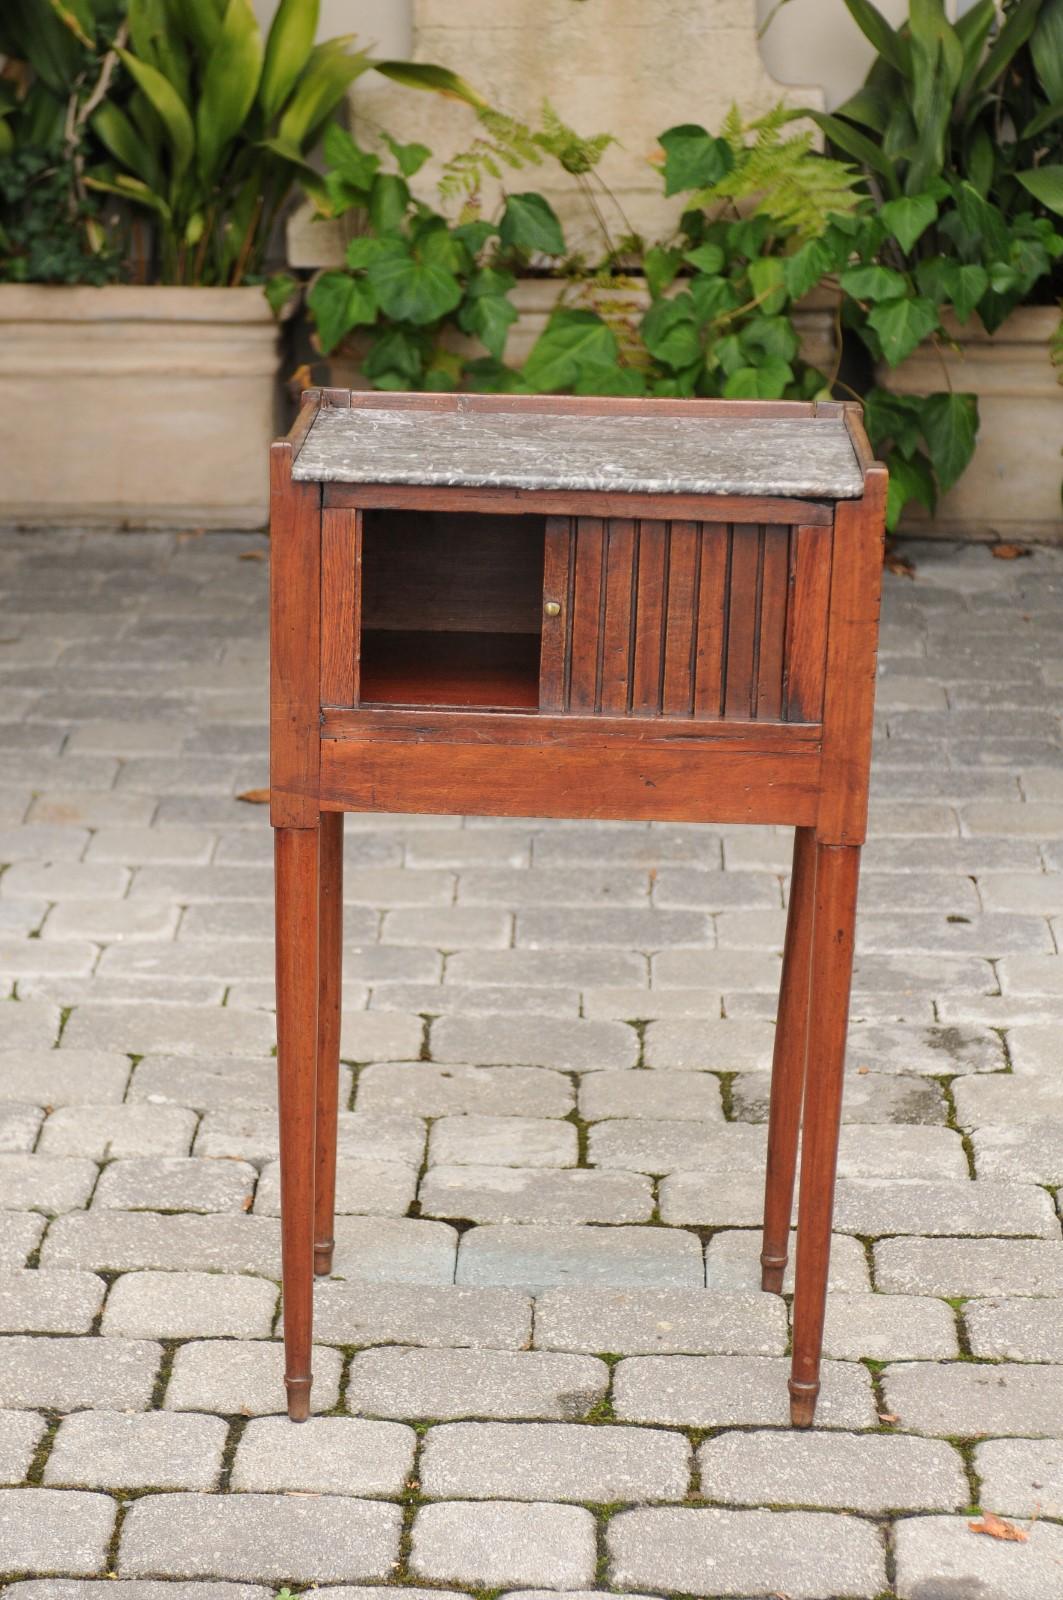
[535,299]
[1011,489]
[137,406]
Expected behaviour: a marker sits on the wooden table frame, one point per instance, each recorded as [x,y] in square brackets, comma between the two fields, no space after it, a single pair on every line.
[805,763]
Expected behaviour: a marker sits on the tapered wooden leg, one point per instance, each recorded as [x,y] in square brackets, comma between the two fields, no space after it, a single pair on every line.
[296,860]
[330,963]
[837,871]
[788,1065]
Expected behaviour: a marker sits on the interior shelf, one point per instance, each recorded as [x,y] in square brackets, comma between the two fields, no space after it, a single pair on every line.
[451,670]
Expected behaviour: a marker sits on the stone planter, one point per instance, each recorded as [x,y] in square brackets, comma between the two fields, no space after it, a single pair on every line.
[140,406]
[535,299]
[1011,490]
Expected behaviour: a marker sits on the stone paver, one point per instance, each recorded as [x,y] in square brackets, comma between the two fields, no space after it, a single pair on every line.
[723,1391]
[939,1556]
[189,1305]
[60,1530]
[976,1398]
[474,1383]
[553,1461]
[534,1257]
[1021,1477]
[618,1052]
[862,1472]
[96,1450]
[717,1553]
[267,1537]
[238,1376]
[504,1543]
[328,1455]
[67,1374]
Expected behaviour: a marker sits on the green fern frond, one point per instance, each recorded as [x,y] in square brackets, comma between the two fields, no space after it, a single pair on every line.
[575,153]
[793,184]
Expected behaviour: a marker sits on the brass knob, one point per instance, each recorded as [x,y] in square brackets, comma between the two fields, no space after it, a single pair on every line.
[552,608]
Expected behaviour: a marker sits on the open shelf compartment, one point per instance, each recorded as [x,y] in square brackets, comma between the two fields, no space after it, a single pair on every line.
[451,609]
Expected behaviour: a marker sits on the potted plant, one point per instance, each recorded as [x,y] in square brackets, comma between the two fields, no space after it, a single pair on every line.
[955,280]
[193,129]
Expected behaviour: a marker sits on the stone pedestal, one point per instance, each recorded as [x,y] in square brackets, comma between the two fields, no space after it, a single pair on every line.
[631,68]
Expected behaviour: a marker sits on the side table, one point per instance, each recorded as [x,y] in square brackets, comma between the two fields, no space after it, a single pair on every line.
[610,608]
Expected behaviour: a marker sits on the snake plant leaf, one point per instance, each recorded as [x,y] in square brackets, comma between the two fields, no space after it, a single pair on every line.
[7,138]
[164,99]
[868,106]
[154,40]
[1045,119]
[437,80]
[1046,185]
[414,291]
[888,42]
[901,324]
[908,218]
[199,21]
[230,84]
[972,30]
[130,189]
[1018,26]
[50,48]
[1046,49]
[329,71]
[77,16]
[530,223]
[857,144]
[288,47]
[115,131]
[950,428]
[340,303]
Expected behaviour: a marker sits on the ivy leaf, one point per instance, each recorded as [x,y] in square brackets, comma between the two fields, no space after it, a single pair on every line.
[345,157]
[437,247]
[529,223]
[474,235]
[706,258]
[712,297]
[967,285]
[571,341]
[280,290]
[414,291]
[873,283]
[608,378]
[444,371]
[950,427]
[769,283]
[728,354]
[489,317]
[907,219]
[910,479]
[388,199]
[670,331]
[768,338]
[364,251]
[806,266]
[893,418]
[394,361]
[489,376]
[660,266]
[765,382]
[901,324]
[693,159]
[490,281]
[339,303]
[410,157]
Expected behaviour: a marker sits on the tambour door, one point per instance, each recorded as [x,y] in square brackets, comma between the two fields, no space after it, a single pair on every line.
[702,620]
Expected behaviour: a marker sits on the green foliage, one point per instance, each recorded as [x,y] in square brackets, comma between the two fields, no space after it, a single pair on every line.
[41,239]
[508,142]
[959,130]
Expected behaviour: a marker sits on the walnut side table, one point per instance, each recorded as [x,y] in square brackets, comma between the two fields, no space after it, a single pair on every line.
[611,608]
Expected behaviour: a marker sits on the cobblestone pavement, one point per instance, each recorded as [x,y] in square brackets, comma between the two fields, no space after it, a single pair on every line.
[556,1040]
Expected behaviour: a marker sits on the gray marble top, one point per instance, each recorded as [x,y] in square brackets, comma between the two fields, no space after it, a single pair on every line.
[527,450]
